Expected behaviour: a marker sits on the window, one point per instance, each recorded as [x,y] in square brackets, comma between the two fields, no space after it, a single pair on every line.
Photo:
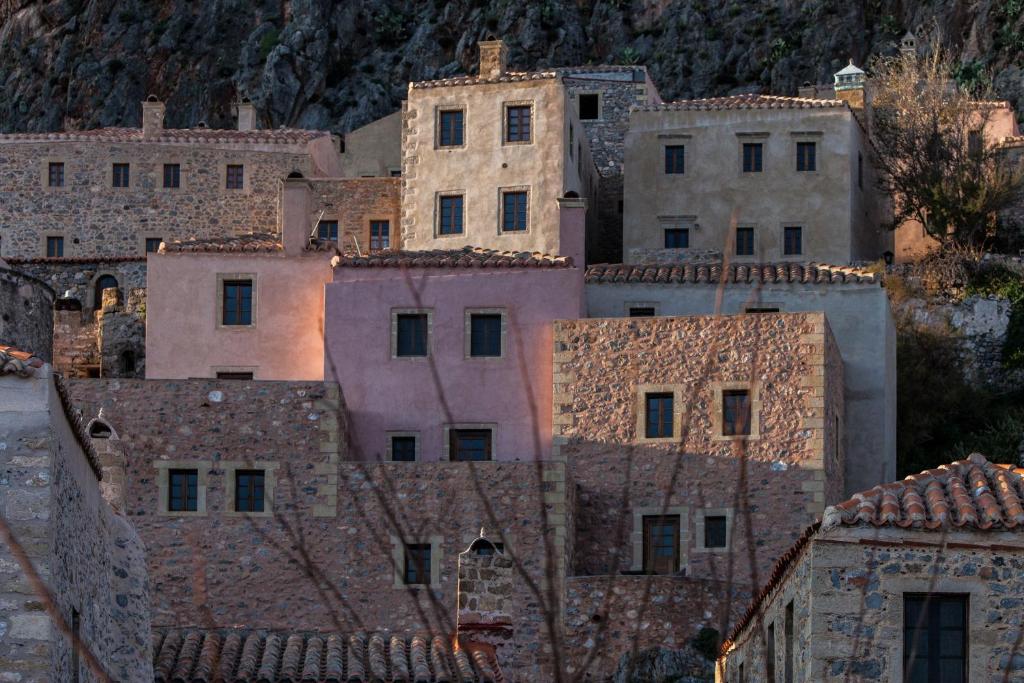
[675,159]
[769,655]
[715,531]
[54,247]
[102,283]
[380,235]
[55,174]
[411,335]
[743,675]
[183,491]
[450,133]
[249,490]
[590,106]
[790,652]
[469,444]
[677,238]
[229,374]
[451,215]
[237,302]
[234,178]
[518,123]
[485,335]
[974,143]
[860,171]
[417,564]
[153,244]
[806,156]
[172,176]
[395,173]
[735,412]
[792,240]
[121,175]
[661,544]
[934,638]
[403,448]
[127,362]
[761,309]
[641,311]
[514,211]
[658,416]
[752,157]
[327,230]
[745,241]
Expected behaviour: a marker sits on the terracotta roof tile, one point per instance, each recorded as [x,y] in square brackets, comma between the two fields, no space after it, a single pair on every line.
[251,242]
[72,260]
[739,273]
[749,101]
[972,493]
[204,656]
[466,257]
[17,362]
[509,77]
[288,136]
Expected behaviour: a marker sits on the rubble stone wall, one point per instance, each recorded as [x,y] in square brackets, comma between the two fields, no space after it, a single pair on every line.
[25,321]
[354,203]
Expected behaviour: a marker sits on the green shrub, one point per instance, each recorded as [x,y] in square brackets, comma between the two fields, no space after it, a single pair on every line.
[268,42]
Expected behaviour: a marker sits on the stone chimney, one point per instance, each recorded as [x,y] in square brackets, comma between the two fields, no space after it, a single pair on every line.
[908,44]
[493,58]
[849,84]
[572,227]
[246,113]
[113,460]
[296,203]
[152,117]
[485,595]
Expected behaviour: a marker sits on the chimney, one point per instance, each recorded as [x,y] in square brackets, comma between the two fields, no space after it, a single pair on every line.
[246,113]
[849,84]
[113,460]
[493,58]
[485,596]
[572,227]
[295,213]
[908,44]
[152,117]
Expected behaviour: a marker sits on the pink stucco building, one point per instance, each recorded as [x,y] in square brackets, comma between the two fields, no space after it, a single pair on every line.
[447,355]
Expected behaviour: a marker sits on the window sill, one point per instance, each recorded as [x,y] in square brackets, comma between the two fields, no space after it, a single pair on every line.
[182,513]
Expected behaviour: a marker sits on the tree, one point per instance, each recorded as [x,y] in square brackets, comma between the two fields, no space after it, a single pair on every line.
[933,152]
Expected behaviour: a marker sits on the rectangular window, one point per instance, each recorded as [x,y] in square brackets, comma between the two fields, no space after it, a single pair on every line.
[658,416]
[661,544]
[677,238]
[172,176]
[675,159]
[974,143]
[411,335]
[237,302]
[450,134]
[485,335]
[744,241]
[54,247]
[860,171]
[590,106]
[518,123]
[234,178]
[55,174]
[403,449]
[469,444]
[327,230]
[792,240]
[641,311]
[234,375]
[450,215]
[806,156]
[249,490]
[761,309]
[380,235]
[514,211]
[183,490]
[934,638]
[153,244]
[396,173]
[417,564]
[752,157]
[122,175]
[790,652]
[743,675]
[735,412]
[769,654]
[715,531]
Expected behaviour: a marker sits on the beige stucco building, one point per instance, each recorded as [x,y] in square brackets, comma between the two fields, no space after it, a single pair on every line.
[373,150]
[486,157]
[795,171]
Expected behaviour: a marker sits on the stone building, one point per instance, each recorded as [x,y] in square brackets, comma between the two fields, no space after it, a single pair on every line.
[852,299]
[485,159]
[75,604]
[24,301]
[917,580]
[794,174]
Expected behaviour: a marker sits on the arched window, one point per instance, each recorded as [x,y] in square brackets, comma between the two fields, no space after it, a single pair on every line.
[100,430]
[103,282]
[127,362]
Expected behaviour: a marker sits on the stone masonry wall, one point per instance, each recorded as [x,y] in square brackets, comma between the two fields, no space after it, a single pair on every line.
[354,202]
[76,278]
[96,218]
[25,321]
[769,487]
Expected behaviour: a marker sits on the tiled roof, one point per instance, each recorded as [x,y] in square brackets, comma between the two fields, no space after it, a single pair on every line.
[466,257]
[204,656]
[17,362]
[750,101]
[740,273]
[973,493]
[285,136]
[72,260]
[509,77]
[251,242]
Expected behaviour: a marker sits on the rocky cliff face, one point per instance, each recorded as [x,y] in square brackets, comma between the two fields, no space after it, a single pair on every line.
[338,65]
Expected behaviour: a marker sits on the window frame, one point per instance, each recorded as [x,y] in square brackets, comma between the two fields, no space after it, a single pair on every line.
[506,122]
[631,311]
[239,308]
[389,454]
[506,192]
[230,470]
[931,604]
[50,166]
[599,105]
[439,133]
[176,175]
[642,390]
[786,227]
[468,316]
[58,242]
[439,214]
[115,178]
[44,174]
[648,549]
[396,313]
[700,529]
[453,435]
[474,427]
[803,159]
[328,221]
[658,428]
[756,160]
[146,239]
[717,405]
[243,183]
[637,534]
[222,279]
[684,231]
[675,164]
[398,545]
[753,241]
[377,222]
[163,479]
